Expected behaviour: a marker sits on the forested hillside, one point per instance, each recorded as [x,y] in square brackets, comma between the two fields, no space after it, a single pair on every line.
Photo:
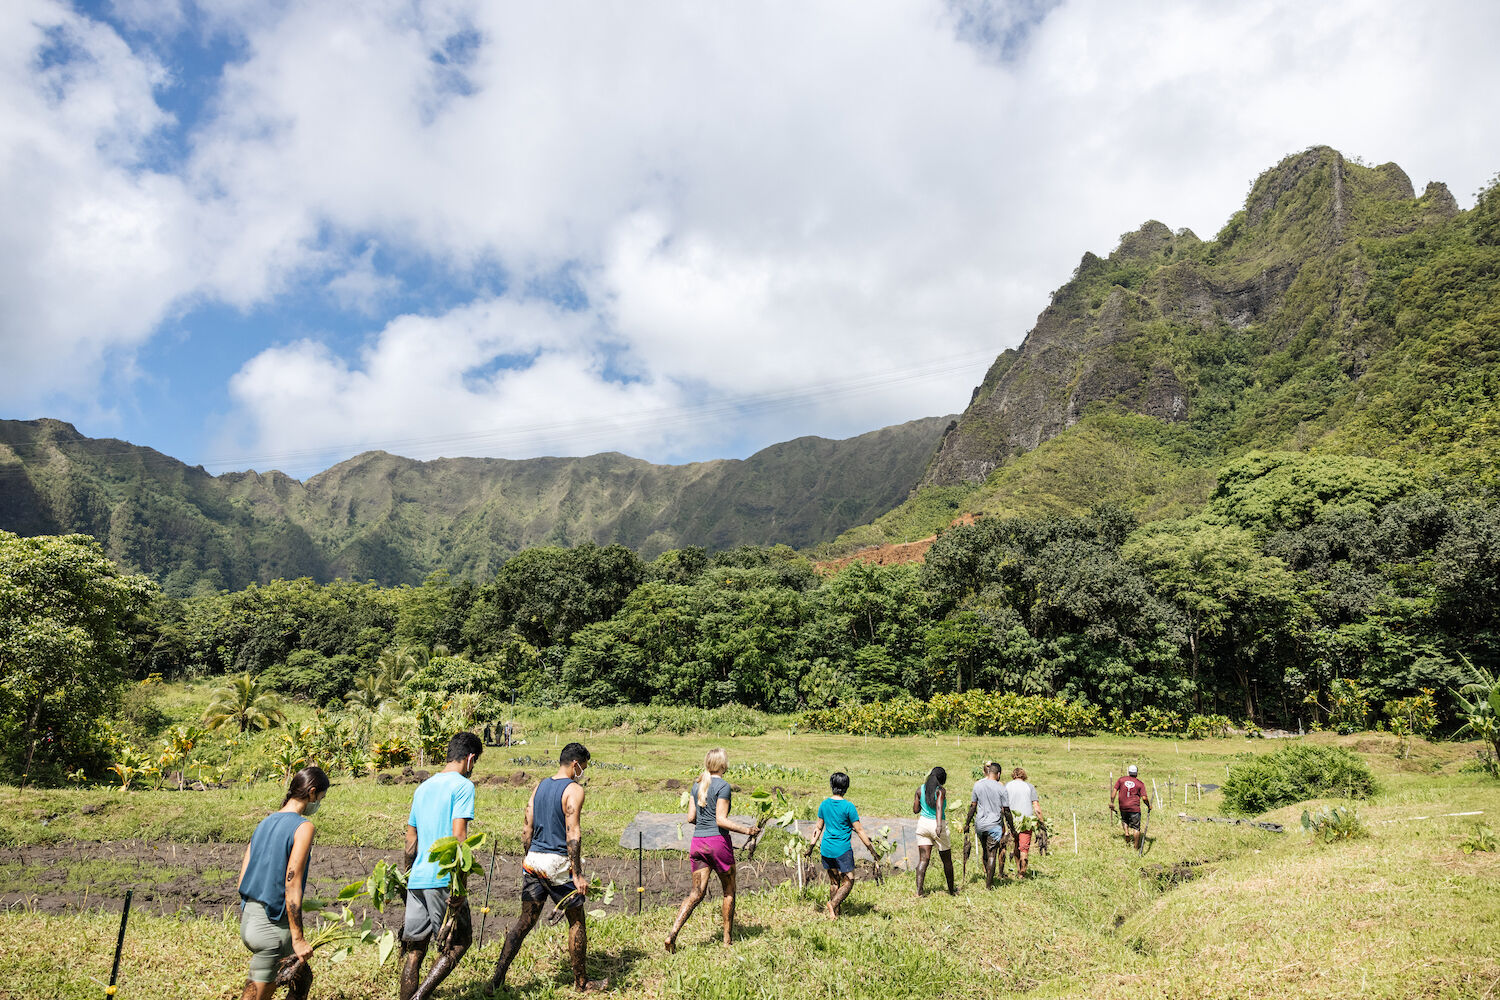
[1336,313]
[395,520]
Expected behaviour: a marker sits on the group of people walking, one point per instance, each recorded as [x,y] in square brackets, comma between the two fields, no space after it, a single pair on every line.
[274,870]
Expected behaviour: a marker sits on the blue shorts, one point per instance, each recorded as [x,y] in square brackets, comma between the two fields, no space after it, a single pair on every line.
[994,834]
[843,864]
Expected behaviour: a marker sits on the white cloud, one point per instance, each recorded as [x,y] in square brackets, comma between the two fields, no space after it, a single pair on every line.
[360,288]
[93,242]
[753,197]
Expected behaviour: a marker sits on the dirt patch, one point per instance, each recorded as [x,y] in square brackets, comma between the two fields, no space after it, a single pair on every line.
[203,879]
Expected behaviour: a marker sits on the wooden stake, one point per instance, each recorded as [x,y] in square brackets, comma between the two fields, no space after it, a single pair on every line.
[1075,833]
[796,832]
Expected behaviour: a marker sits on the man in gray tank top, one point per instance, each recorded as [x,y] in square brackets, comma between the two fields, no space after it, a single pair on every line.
[553,866]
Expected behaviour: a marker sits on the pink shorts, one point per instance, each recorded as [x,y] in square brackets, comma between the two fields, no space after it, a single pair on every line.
[712,852]
[1024,843]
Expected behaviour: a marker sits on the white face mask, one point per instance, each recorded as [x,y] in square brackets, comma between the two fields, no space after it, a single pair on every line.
[312,808]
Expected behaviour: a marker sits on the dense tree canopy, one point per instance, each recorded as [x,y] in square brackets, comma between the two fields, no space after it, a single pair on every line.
[1303,575]
[66,617]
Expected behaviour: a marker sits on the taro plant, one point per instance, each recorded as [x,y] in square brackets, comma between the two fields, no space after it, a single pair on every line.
[884,846]
[765,805]
[343,930]
[460,859]
[1482,840]
[1334,823]
[596,886]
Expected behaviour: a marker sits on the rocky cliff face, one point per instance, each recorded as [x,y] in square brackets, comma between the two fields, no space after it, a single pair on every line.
[1120,332]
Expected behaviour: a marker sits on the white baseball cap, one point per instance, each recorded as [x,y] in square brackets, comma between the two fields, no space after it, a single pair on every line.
[1131,769]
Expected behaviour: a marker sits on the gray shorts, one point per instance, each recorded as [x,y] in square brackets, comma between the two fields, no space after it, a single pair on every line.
[425,909]
[268,942]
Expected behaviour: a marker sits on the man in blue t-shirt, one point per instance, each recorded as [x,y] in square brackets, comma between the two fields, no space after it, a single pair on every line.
[837,819]
[441,807]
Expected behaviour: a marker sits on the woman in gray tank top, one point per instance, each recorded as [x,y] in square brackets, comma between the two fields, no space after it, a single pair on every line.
[272,877]
[712,850]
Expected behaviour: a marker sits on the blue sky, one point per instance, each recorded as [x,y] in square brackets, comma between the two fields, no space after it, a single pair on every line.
[274,234]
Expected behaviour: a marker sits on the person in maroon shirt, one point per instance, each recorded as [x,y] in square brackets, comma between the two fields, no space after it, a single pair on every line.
[1130,791]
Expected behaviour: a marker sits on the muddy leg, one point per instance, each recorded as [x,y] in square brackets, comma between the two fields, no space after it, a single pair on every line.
[457,938]
[924,858]
[531,909]
[413,952]
[694,897]
[727,883]
[257,991]
[841,893]
[989,862]
[947,857]
[578,947]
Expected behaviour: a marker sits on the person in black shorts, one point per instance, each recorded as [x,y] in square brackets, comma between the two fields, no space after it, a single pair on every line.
[1130,791]
[553,866]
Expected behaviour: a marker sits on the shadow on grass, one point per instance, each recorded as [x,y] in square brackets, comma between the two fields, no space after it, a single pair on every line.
[611,965]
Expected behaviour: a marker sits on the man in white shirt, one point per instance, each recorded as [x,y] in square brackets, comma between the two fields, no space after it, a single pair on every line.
[1027,810]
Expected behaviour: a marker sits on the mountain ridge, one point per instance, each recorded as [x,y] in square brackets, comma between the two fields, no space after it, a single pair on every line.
[381,516]
[1336,311]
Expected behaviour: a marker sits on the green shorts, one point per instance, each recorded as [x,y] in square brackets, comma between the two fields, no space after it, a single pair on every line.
[269,942]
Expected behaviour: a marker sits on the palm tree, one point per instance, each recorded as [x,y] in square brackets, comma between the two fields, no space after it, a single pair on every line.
[247,703]
[370,692]
[399,665]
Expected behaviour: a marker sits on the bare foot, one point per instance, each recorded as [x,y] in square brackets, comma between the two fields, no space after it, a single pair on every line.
[671,946]
[593,986]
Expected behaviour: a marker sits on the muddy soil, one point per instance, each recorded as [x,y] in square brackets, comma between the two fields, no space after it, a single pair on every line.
[202,879]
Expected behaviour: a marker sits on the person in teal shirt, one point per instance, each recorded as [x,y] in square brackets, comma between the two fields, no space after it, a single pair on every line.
[837,820]
[442,807]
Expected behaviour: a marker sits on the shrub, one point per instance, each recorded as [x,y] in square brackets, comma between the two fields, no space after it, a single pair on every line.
[1295,773]
[1202,727]
[980,713]
[392,752]
[1414,716]
[726,720]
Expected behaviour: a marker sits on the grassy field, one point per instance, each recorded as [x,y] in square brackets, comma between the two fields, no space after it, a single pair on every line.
[1210,911]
